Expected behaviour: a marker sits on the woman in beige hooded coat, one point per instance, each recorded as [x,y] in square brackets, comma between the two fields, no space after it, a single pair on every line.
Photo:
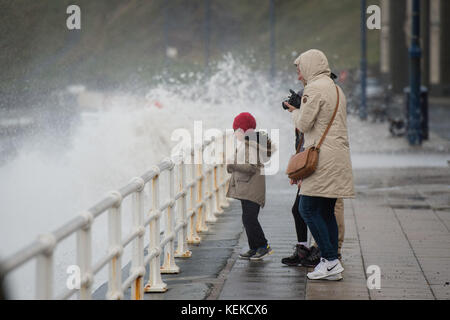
[333,177]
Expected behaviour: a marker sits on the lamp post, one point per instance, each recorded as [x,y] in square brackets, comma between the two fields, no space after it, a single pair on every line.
[165,33]
[363,104]
[415,116]
[206,33]
[272,38]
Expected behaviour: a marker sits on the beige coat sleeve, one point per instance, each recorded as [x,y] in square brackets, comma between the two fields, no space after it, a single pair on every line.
[305,117]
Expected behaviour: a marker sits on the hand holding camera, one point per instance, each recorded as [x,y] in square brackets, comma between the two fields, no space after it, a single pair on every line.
[294,100]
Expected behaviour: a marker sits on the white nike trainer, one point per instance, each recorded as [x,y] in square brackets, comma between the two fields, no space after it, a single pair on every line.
[325,269]
[335,277]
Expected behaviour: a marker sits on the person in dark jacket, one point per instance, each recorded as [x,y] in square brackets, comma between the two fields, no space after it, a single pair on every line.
[303,255]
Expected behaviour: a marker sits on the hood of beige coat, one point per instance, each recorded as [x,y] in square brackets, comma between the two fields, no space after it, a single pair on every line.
[313,63]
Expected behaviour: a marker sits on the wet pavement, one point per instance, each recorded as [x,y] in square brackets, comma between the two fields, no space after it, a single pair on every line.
[269,279]
[399,222]
[200,273]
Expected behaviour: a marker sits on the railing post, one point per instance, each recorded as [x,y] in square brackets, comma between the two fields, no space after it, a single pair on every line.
[137,260]
[198,213]
[115,247]
[224,203]
[44,269]
[182,248]
[210,217]
[217,190]
[169,265]
[193,237]
[155,283]
[84,257]
[201,216]
[223,179]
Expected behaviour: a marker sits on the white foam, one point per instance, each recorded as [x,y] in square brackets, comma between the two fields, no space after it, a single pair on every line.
[47,184]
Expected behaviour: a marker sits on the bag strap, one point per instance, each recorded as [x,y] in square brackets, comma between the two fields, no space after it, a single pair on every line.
[300,142]
[331,121]
[328,127]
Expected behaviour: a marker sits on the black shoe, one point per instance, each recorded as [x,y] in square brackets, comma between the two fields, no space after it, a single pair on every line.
[312,259]
[261,253]
[300,252]
[247,255]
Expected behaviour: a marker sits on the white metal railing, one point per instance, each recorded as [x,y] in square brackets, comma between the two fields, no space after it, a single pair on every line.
[191,205]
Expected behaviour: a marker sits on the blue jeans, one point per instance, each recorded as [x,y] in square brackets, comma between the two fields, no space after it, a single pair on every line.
[318,213]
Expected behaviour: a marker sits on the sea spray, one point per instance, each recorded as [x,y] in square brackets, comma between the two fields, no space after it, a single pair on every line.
[121,136]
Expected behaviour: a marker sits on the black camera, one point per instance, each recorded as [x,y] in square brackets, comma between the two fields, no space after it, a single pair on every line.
[295,99]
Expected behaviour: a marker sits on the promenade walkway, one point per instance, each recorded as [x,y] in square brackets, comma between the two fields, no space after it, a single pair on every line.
[269,279]
[399,221]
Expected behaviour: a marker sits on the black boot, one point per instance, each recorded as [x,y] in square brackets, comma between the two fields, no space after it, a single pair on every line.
[312,259]
[300,252]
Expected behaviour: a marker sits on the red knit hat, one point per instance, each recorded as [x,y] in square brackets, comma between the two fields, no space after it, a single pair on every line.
[244,121]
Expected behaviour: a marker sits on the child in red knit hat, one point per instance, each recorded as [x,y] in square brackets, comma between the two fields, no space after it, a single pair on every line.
[247,184]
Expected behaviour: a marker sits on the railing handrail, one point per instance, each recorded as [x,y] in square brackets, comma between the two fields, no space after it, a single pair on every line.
[200,211]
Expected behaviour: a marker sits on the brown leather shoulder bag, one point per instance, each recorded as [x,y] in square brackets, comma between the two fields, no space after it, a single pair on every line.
[303,164]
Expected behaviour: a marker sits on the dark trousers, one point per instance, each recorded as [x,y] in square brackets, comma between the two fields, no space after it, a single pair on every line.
[255,233]
[300,226]
[318,213]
